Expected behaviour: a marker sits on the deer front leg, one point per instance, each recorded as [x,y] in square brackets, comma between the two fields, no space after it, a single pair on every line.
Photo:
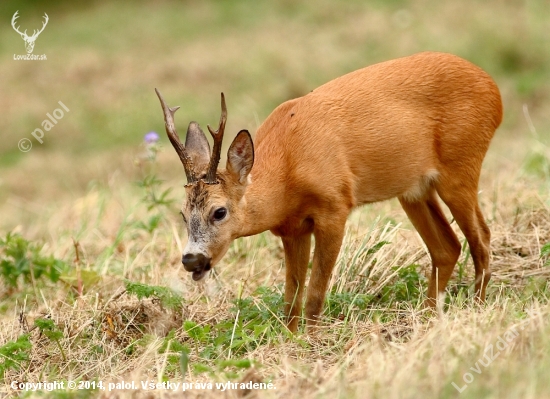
[328,240]
[296,261]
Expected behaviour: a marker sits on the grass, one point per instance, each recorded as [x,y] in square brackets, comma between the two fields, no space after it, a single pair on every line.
[91,285]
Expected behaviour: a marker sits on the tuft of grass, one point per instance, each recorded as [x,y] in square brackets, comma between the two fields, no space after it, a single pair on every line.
[165,296]
[22,261]
[52,332]
[14,355]
[545,254]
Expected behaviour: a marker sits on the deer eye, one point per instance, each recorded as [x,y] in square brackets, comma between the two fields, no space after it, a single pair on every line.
[219,214]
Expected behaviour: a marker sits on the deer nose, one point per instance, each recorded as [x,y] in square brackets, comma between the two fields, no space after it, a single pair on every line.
[195,262]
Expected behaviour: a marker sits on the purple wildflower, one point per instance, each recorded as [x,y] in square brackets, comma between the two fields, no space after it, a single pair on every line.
[151,138]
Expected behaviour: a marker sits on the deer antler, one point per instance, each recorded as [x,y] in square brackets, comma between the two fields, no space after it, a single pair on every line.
[43,26]
[175,140]
[218,138]
[24,34]
[15,16]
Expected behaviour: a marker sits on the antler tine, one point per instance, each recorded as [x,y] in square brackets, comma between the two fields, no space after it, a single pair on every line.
[218,138]
[13,21]
[43,25]
[175,140]
[46,19]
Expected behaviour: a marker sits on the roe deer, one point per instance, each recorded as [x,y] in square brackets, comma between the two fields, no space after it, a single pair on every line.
[407,128]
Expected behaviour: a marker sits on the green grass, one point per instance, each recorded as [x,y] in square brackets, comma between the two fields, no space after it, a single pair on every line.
[91,284]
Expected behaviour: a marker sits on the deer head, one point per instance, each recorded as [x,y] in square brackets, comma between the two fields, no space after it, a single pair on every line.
[212,212]
[29,40]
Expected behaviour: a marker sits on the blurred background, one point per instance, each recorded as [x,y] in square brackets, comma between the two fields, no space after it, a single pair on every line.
[104,59]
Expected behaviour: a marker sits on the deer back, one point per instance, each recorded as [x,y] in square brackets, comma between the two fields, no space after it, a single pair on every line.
[382,131]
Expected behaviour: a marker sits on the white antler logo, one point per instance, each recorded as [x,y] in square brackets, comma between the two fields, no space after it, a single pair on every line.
[29,40]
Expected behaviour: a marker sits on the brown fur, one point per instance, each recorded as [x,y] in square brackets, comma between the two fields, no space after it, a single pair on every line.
[407,128]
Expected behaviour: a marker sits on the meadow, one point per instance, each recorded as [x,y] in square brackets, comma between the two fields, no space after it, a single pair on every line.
[91,284]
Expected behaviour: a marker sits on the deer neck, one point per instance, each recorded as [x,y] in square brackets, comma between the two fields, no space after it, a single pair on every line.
[263,205]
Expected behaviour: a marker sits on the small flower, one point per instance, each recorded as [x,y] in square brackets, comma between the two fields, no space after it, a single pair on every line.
[151,138]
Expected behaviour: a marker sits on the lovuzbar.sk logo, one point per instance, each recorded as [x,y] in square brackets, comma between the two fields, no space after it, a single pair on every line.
[29,40]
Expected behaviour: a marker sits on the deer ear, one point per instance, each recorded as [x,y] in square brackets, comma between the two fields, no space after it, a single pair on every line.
[197,147]
[240,156]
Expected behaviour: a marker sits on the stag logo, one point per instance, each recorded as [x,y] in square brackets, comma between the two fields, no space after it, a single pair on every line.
[29,40]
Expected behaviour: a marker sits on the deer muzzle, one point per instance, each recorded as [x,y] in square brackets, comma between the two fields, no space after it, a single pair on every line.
[198,264]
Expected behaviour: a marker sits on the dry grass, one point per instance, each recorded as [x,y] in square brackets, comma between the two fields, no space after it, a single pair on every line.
[363,354]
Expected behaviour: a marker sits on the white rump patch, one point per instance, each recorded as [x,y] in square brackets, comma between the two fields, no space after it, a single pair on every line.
[420,187]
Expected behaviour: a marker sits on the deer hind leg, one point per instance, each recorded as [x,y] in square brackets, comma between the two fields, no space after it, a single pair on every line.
[463,204]
[296,260]
[328,240]
[443,245]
